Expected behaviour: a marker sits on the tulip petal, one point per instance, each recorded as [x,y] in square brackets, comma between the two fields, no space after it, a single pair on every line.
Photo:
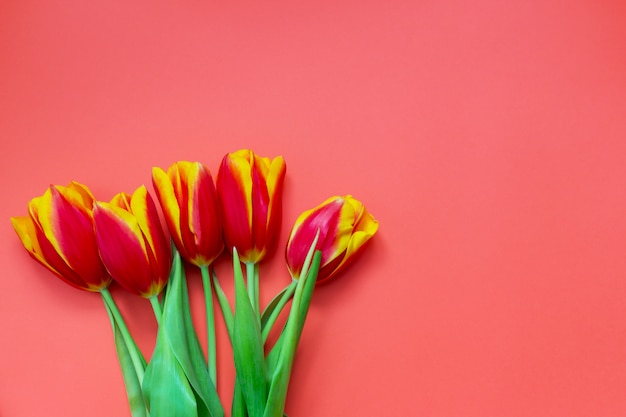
[45,254]
[121,200]
[234,188]
[204,216]
[179,177]
[157,248]
[122,247]
[76,245]
[58,265]
[324,218]
[345,228]
[172,194]
[165,193]
[25,229]
[275,180]
[184,183]
[79,195]
[364,228]
[260,201]
[27,232]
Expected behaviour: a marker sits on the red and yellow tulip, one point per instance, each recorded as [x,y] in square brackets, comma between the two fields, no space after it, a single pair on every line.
[132,243]
[59,234]
[344,226]
[189,201]
[250,192]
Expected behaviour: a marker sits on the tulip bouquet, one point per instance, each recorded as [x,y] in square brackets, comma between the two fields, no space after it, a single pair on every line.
[91,244]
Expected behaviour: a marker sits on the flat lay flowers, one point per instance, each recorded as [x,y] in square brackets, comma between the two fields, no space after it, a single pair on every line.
[92,244]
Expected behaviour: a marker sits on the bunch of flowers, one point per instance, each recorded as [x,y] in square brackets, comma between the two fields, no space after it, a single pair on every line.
[90,244]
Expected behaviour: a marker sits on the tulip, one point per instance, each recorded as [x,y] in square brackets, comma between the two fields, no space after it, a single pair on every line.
[58,233]
[191,208]
[132,243]
[344,226]
[250,192]
[189,202]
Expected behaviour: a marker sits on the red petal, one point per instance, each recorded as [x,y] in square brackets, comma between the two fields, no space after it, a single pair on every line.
[235,209]
[122,248]
[74,233]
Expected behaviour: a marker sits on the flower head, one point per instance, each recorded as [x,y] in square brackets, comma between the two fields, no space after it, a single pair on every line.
[344,226]
[189,202]
[59,234]
[250,192]
[132,243]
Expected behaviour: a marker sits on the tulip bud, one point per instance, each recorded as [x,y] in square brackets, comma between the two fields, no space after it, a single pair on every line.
[191,209]
[250,192]
[344,226]
[132,243]
[59,234]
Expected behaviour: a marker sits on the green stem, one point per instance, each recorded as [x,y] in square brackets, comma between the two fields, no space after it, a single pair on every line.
[267,328]
[210,323]
[156,307]
[257,291]
[135,353]
[252,277]
[224,306]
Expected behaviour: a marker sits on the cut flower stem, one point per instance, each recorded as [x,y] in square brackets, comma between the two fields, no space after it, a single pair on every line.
[252,277]
[156,307]
[210,323]
[134,351]
[130,358]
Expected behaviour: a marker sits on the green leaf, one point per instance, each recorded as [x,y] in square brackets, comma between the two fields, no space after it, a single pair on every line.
[271,306]
[290,338]
[271,360]
[275,306]
[248,347]
[227,313]
[165,385]
[307,295]
[181,335]
[131,379]
[239,404]
[268,320]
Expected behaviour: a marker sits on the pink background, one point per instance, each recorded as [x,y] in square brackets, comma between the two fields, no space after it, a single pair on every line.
[488,138]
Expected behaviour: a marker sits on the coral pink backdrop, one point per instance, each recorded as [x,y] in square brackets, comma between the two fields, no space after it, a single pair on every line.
[487,137]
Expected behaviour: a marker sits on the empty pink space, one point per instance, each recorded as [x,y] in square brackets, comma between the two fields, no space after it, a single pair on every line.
[487,138]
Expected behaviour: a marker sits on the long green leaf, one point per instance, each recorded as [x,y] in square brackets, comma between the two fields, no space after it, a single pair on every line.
[165,385]
[181,335]
[307,294]
[274,308]
[282,373]
[239,404]
[248,347]
[272,358]
[227,312]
